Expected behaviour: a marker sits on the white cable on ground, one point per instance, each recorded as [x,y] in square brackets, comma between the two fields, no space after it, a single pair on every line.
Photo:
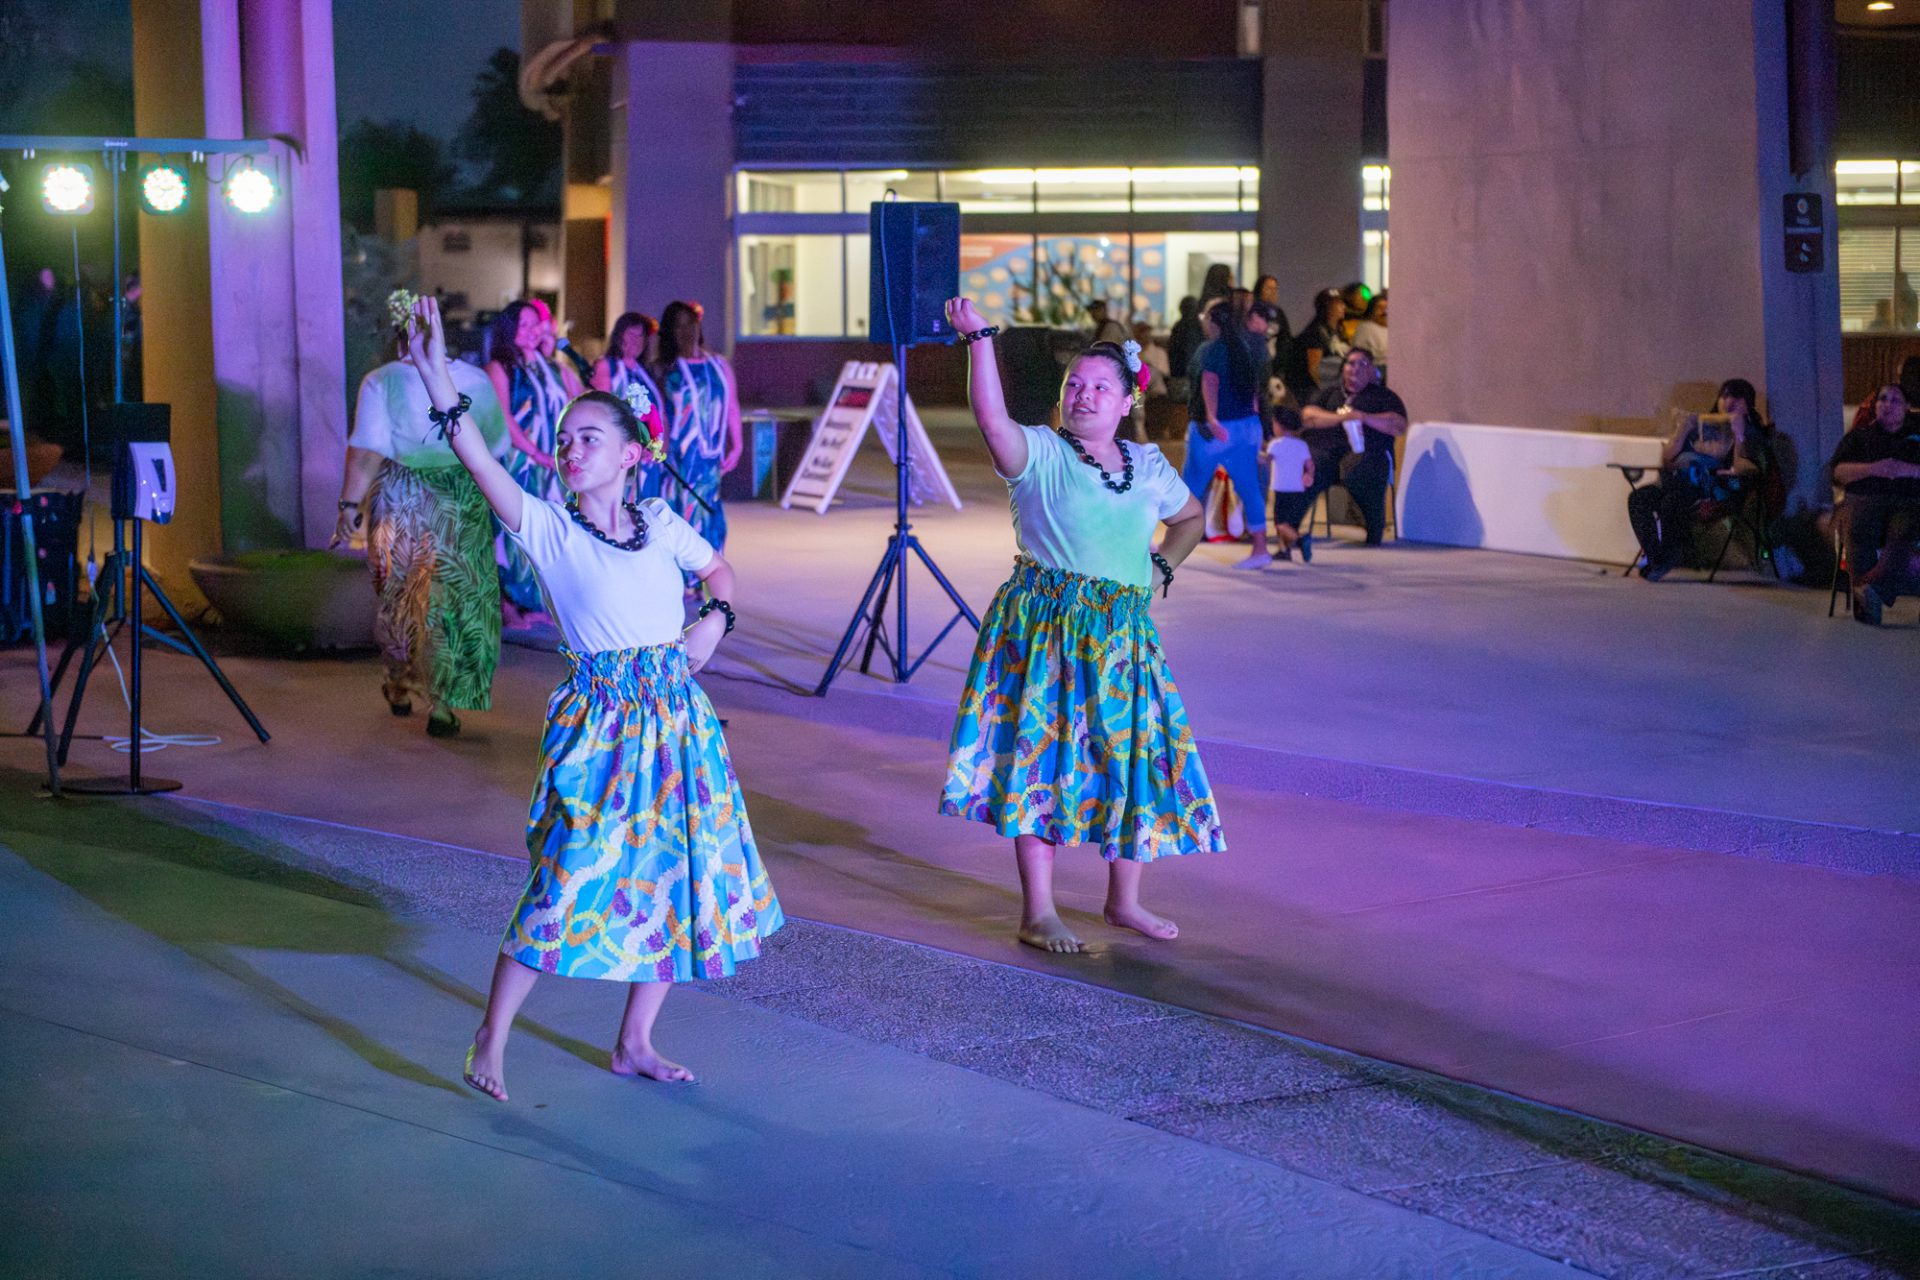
[149,740]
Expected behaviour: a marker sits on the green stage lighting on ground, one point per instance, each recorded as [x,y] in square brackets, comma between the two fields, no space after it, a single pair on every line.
[67,188]
[251,190]
[163,188]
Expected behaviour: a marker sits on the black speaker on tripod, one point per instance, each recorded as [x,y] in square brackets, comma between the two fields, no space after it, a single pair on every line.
[916,268]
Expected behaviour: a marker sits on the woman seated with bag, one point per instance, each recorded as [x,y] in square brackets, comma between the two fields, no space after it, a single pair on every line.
[1704,468]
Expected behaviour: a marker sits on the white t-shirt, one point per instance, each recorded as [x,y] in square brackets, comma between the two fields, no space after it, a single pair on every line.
[605,598]
[390,418]
[1288,456]
[1064,518]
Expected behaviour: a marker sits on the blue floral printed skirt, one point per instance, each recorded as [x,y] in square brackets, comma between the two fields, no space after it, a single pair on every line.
[1070,727]
[644,867]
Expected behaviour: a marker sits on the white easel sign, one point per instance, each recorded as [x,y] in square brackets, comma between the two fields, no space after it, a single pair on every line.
[864,397]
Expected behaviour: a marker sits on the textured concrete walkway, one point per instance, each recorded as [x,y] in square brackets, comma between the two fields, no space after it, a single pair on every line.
[1492,862]
[232,1050]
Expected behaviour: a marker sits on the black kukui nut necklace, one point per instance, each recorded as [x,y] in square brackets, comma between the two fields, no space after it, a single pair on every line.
[637,541]
[1126,479]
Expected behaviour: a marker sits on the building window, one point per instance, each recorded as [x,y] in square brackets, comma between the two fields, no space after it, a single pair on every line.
[1879,244]
[789,193]
[792,286]
[1037,245]
[1375,180]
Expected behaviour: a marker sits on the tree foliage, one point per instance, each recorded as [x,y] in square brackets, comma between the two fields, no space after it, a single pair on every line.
[517,151]
[374,155]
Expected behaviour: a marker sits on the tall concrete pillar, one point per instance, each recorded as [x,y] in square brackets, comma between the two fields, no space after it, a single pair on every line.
[1314,65]
[673,154]
[280,358]
[243,313]
[1587,210]
[176,290]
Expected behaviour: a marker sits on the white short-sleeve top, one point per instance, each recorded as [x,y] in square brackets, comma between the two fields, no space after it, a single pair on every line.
[602,597]
[390,418]
[1064,518]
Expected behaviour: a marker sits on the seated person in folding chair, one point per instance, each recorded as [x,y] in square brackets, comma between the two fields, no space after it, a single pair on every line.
[1879,466]
[1350,428]
[1704,468]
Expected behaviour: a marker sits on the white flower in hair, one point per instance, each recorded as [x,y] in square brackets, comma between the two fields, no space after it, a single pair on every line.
[1132,350]
[638,399]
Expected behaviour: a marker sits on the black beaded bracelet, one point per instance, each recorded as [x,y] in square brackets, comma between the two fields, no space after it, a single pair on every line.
[449,422]
[978,334]
[1166,572]
[723,607]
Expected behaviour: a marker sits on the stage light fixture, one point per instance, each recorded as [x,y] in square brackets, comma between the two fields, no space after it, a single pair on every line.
[67,188]
[163,189]
[251,191]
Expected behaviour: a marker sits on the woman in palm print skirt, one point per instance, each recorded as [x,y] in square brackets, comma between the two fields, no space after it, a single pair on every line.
[429,542]
[1070,729]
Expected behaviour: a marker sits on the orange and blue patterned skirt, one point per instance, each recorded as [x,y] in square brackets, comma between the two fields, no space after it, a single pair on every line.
[1070,728]
[644,867]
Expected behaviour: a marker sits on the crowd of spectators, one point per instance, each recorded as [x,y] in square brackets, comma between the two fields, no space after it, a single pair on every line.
[1252,385]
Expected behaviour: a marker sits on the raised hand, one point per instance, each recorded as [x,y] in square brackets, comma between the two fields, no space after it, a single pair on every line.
[427,347]
[964,316]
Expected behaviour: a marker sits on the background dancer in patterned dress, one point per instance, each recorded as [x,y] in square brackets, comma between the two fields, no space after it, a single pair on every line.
[429,539]
[644,866]
[703,419]
[1070,729]
[534,393]
[629,353]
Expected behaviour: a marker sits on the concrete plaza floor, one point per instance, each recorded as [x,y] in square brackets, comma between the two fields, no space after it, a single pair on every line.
[1595,843]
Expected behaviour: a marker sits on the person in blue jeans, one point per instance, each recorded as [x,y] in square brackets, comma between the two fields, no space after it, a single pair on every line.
[1228,375]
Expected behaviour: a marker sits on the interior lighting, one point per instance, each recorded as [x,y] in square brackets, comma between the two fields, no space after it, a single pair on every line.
[251,191]
[1880,6]
[163,189]
[67,189]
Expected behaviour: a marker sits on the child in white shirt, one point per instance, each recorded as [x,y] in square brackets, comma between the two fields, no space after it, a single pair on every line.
[1291,463]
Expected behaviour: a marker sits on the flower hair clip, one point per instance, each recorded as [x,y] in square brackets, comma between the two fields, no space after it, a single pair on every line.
[641,401]
[400,308]
[1141,373]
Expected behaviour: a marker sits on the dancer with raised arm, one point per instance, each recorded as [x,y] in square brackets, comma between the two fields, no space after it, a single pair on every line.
[1070,729]
[644,866]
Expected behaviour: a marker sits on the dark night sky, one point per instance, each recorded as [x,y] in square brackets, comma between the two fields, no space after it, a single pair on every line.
[410,60]
[415,60]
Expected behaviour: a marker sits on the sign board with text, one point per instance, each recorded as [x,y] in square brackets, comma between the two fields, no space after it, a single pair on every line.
[1806,232]
[865,396]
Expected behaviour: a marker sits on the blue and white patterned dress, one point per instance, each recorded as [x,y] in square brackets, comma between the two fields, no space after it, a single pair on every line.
[696,411]
[538,396]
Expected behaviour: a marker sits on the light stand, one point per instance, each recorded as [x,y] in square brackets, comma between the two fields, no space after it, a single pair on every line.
[891,576]
[110,609]
[22,488]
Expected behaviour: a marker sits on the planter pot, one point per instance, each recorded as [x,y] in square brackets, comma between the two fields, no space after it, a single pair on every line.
[302,599]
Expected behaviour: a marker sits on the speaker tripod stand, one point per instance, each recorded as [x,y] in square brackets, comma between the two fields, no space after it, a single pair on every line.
[109,613]
[890,579]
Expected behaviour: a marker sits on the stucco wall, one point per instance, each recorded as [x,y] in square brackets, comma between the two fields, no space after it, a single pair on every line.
[1576,197]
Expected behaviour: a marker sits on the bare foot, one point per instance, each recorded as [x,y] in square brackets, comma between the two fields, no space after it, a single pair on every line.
[483,1070]
[648,1063]
[1050,933]
[1144,921]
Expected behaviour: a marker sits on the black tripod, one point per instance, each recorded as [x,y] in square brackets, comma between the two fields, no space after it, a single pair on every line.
[891,576]
[110,611]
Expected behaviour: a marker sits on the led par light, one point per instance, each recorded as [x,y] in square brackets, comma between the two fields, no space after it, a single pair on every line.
[251,190]
[163,188]
[67,188]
